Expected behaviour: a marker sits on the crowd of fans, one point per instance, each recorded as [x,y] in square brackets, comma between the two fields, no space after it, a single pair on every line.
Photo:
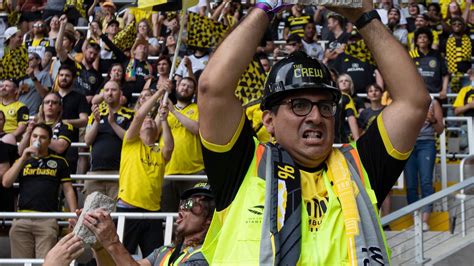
[100,86]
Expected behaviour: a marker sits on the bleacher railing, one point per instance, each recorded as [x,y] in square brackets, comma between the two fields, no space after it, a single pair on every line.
[416,255]
[120,216]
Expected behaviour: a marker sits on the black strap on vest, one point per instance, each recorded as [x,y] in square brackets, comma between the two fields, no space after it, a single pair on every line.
[288,239]
[175,254]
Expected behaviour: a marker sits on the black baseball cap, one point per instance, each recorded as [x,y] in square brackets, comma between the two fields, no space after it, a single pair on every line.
[200,189]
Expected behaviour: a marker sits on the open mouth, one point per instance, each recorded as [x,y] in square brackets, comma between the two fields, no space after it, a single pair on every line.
[313,134]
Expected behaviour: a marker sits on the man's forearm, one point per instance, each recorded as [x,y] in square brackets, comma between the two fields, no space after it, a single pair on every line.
[10,176]
[188,123]
[42,91]
[70,196]
[459,111]
[168,141]
[380,40]
[77,123]
[19,130]
[91,133]
[119,131]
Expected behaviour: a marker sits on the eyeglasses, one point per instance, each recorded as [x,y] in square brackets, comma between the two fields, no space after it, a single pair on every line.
[292,44]
[38,25]
[52,102]
[191,205]
[302,107]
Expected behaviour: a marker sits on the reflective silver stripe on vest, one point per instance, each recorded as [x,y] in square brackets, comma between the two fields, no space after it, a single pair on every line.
[369,243]
[265,170]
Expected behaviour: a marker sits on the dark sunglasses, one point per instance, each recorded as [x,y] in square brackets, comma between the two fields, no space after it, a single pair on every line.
[192,205]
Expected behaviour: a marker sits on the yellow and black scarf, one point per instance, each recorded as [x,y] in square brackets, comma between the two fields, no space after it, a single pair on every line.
[458,57]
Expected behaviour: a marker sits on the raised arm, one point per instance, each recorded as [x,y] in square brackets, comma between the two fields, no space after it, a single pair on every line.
[405,116]
[93,126]
[168,141]
[134,129]
[188,123]
[61,52]
[11,175]
[220,111]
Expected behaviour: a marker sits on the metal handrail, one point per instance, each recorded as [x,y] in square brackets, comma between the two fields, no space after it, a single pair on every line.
[22,261]
[121,216]
[426,201]
[111,177]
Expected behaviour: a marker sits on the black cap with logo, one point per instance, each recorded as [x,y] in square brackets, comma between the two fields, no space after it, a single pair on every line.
[295,73]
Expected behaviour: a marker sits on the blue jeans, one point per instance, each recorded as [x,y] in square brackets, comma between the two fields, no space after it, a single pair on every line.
[419,170]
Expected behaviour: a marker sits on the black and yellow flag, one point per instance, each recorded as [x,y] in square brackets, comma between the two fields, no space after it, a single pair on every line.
[359,50]
[14,63]
[251,83]
[126,37]
[204,32]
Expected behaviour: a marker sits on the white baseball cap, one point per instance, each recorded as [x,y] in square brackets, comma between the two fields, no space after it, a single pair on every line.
[10,32]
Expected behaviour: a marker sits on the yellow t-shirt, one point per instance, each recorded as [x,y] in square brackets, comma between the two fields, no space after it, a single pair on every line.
[15,114]
[187,154]
[412,41]
[315,196]
[142,169]
[141,13]
[464,97]
[254,114]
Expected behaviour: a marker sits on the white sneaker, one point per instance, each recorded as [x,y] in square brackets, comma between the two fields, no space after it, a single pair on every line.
[426,227]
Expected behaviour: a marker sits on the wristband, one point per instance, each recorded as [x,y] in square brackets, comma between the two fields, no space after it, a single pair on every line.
[366,18]
[265,7]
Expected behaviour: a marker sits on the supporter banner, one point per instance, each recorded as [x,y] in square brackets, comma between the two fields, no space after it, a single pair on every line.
[251,83]
[204,32]
[126,37]
[341,3]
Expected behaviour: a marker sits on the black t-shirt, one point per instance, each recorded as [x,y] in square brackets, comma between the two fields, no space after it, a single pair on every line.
[88,81]
[362,73]
[267,37]
[107,146]
[432,67]
[140,70]
[367,117]
[74,103]
[334,43]
[346,109]
[226,170]
[39,183]
[8,153]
